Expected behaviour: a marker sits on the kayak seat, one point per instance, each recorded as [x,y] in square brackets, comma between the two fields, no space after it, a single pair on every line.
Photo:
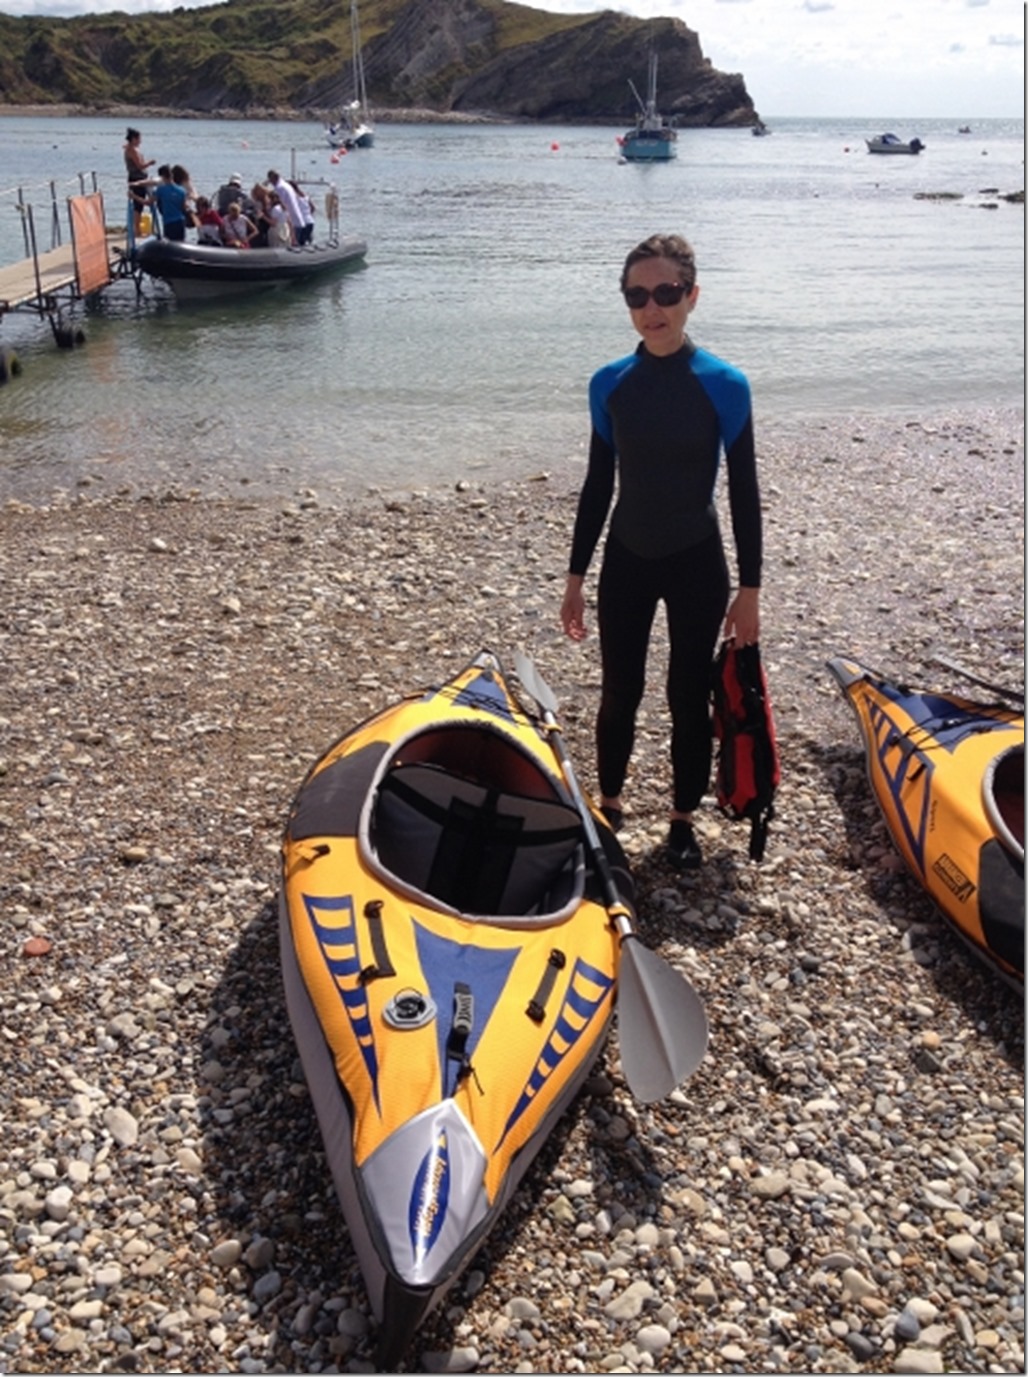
[476,848]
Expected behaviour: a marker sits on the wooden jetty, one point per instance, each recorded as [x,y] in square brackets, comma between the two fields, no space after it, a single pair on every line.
[45,283]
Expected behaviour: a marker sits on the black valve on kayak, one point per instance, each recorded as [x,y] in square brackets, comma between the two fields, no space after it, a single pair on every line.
[409,1009]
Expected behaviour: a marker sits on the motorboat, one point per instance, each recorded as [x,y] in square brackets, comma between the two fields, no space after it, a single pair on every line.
[890,143]
[205,272]
[948,775]
[456,935]
[654,138]
[354,128]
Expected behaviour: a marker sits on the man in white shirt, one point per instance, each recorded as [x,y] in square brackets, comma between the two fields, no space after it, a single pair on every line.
[289,199]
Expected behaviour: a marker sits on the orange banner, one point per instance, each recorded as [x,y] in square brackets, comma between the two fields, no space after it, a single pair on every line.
[89,239]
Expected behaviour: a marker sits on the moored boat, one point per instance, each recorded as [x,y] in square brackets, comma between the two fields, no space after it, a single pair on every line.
[654,138]
[948,775]
[205,272]
[890,143]
[455,930]
[354,128]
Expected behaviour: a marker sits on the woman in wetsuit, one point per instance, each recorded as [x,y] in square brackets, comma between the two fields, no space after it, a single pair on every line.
[661,418]
[136,167]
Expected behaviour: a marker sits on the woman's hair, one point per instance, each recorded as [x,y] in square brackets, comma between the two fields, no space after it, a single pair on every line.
[235,209]
[131,133]
[670,246]
[179,175]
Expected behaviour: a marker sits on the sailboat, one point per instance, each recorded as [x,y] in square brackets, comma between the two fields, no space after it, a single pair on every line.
[354,128]
[654,138]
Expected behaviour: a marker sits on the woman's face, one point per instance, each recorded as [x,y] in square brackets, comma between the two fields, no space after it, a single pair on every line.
[662,328]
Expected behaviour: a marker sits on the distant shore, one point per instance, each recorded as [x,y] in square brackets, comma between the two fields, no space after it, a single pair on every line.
[163,112]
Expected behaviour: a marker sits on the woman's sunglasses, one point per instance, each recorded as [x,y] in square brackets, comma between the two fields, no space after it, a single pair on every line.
[664,294]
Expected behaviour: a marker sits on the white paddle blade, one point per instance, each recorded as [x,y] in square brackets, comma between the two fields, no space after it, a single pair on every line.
[662,1024]
[533,682]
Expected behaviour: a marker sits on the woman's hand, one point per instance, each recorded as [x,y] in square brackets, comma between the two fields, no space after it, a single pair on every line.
[572,609]
[742,619]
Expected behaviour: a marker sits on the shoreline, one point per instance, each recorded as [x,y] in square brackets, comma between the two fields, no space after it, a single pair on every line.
[840,1186]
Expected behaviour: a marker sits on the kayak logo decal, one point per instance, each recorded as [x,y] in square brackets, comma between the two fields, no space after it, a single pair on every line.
[588,989]
[907,774]
[430,1198]
[334,926]
[959,884]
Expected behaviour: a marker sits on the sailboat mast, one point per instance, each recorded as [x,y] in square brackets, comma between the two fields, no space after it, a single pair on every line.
[359,91]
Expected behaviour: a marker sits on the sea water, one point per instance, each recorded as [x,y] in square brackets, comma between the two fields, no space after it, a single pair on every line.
[841,282]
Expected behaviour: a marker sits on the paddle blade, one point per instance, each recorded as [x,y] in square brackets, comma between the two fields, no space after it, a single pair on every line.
[533,682]
[662,1024]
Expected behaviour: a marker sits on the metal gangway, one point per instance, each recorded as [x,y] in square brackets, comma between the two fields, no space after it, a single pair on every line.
[83,257]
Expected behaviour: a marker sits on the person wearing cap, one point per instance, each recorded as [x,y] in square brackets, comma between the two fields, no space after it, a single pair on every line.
[233,191]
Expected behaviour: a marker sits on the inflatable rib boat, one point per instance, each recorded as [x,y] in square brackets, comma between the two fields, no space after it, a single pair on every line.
[454,922]
[948,775]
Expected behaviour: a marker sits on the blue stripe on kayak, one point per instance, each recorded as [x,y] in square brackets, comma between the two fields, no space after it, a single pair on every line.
[887,735]
[945,723]
[586,993]
[486,693]
[484,971]
[333,923]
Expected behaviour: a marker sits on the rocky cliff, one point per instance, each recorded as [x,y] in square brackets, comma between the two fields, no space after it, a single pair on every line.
[470,57]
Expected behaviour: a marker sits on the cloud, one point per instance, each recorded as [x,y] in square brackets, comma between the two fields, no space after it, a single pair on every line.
[976,4]
[817,6]
[1005,40]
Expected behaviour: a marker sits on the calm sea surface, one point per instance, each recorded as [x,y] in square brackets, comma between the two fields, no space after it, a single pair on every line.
[463,347]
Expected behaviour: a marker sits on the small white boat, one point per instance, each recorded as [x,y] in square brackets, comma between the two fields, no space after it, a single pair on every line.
[209,272]
[889,143]
[654,138]
[354,128]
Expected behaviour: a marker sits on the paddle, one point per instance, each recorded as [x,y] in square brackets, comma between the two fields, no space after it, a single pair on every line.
[1014,695]
[662,1025]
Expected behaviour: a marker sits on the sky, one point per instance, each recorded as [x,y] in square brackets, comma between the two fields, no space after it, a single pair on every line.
[960,59]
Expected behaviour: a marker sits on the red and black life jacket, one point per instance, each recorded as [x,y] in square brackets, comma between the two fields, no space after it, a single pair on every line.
[748,767]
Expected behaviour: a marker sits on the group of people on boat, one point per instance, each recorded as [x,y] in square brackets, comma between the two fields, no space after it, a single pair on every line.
[274,213]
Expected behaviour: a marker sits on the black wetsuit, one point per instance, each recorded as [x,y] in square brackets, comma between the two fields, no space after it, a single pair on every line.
[659,426]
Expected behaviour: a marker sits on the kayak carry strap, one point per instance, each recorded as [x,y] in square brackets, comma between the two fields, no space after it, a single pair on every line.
[460,1029]
[536,1010]
[382,965]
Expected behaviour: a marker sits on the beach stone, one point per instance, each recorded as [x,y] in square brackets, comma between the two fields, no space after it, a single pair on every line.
[770,1187]
[121,1125]
[918,1360]
[227,1253]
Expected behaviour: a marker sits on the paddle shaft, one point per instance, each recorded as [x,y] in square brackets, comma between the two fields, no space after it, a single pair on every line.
[616,907]
[662,1024]
[972,677]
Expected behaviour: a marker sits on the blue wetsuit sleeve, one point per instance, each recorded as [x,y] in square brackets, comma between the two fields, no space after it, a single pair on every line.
[593,503]
[744,504]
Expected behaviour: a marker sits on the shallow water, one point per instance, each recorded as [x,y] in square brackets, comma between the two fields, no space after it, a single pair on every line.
[489,295]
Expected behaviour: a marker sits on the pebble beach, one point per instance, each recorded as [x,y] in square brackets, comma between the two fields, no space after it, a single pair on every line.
[839,1187]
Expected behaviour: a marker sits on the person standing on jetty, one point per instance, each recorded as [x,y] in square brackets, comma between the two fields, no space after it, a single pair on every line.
[136,166]
[660,419]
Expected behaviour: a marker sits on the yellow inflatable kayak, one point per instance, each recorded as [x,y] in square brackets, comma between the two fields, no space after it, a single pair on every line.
[948,775]
[454,917]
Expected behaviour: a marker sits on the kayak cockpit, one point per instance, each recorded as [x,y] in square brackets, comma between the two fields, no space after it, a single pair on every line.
[1003,797]
[465,819]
